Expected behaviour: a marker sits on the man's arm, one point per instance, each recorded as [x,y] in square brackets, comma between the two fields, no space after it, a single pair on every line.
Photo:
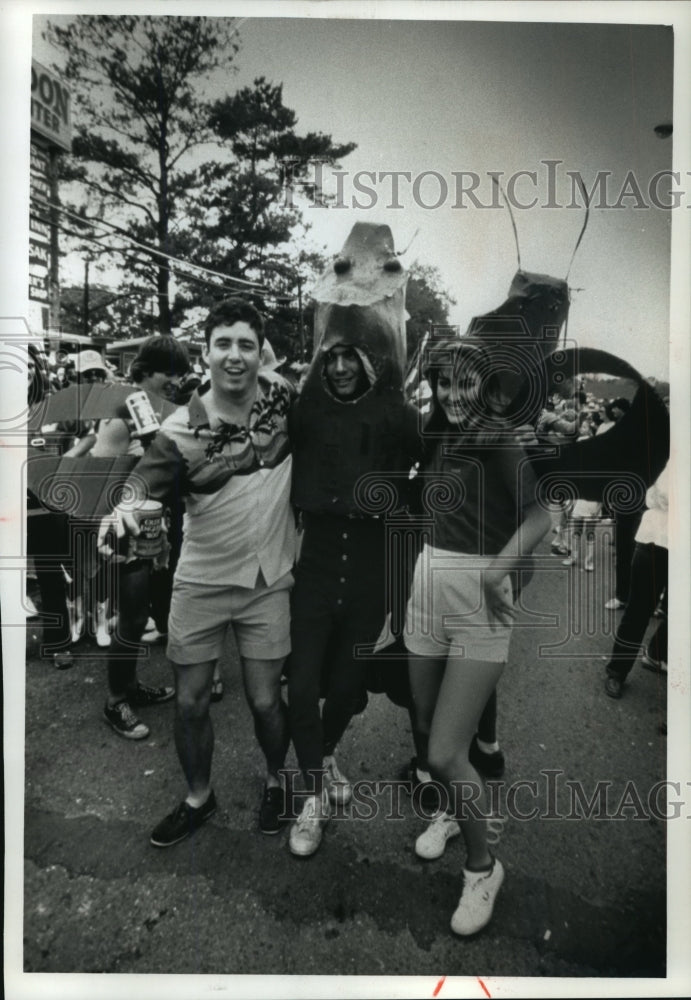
[161,471]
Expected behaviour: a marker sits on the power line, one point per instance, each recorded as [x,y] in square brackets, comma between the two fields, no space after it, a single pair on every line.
[149,250]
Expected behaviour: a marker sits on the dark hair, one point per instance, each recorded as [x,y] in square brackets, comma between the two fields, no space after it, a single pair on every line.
[234,310]
[622,403]
[39,386]
[159,354]
[485,424]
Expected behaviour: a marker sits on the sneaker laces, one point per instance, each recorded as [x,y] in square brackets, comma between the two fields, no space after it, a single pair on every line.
[308,814]
[146,689]
[474,882]
[125,712]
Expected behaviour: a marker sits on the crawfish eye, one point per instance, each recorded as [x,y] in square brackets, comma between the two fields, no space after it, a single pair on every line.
[341,265]
[392,265]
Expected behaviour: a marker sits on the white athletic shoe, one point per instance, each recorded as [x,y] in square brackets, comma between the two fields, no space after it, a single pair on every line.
[306,831]
[337,785]
[613,604]
[75,609]
[431,843]
[102,623]
[474,910]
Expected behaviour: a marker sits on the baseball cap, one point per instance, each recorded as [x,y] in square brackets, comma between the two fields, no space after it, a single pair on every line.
[88,361]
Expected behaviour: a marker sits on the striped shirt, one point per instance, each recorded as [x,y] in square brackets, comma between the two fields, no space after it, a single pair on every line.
[235,481]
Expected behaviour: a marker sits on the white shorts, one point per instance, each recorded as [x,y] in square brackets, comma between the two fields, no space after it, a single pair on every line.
[447,613]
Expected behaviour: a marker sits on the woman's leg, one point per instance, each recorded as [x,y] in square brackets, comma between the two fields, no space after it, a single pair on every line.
[487,726]
[465,687]
[426,673]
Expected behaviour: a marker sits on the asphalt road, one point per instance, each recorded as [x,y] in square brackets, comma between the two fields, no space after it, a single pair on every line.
[583,897]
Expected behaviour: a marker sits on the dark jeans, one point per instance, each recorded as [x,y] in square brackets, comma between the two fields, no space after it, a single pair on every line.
[648,581]
[625,528]
[133,582]
[48,543]
[337,604]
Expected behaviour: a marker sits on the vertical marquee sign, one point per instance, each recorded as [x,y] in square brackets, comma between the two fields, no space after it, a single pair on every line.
[51,134]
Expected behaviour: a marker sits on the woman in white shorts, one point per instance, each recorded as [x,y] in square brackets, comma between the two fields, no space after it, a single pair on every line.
[481,490]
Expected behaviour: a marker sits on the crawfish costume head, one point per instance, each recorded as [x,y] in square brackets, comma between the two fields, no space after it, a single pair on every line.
[340,435]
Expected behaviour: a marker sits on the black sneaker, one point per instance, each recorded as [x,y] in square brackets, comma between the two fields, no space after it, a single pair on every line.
[614,686]
[142,695]
[272,814]
[429,796]
[122,719]
[182,822]
[489,765]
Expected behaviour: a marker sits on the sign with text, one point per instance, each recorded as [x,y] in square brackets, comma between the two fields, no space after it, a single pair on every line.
[50,107]
[38,287]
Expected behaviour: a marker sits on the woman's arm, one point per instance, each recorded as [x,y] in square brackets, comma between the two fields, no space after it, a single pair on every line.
[532,529]
[83,446]
[113,438]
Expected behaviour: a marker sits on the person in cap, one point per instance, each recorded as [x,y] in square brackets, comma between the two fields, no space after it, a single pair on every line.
[227,453]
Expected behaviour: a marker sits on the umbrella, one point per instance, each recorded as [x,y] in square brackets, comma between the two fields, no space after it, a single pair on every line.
[80,487]
[96,400]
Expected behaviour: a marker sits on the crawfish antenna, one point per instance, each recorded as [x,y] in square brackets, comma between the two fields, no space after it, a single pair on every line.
[585,223]
[513,221]
[401,252]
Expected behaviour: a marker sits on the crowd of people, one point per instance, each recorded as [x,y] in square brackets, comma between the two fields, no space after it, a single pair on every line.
[296,564]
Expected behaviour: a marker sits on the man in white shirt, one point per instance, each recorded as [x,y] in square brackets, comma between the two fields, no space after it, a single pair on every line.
[228,455]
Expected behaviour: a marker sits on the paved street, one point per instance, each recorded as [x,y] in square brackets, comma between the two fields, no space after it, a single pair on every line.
[582,897]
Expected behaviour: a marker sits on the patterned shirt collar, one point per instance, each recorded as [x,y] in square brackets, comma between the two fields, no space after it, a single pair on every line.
[197,411]
[199,418]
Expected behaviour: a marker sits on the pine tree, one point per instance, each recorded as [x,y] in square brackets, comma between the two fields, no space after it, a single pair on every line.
[138,115]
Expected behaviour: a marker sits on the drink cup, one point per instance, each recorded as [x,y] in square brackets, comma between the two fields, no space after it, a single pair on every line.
[149,542]
[142,413]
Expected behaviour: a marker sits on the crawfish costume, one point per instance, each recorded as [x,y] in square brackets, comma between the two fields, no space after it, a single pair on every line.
[349,455]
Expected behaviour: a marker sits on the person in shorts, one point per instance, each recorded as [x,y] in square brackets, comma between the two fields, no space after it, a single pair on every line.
[461,606]
[227,453]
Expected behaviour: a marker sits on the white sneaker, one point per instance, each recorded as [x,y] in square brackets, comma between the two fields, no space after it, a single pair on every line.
[431,843]
[306,831]
[76,612]
[155,638]
[613,604]
[30,610]
[102,621]
[474,910]
[337,785]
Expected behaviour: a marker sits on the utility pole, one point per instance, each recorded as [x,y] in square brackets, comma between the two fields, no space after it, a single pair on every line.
[85,317]
[301,325]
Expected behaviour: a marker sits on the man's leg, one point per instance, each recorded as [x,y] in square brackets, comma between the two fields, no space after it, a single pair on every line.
[192,729]
[262,683]
[194,742]
[648,573]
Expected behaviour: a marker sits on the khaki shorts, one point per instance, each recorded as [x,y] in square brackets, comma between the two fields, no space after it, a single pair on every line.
[200,616]
[447,613]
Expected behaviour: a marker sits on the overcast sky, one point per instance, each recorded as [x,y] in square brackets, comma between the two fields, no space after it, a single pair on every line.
[445,97]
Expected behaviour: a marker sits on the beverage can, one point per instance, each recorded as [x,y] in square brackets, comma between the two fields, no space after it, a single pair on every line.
[149,542]
[142,413]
